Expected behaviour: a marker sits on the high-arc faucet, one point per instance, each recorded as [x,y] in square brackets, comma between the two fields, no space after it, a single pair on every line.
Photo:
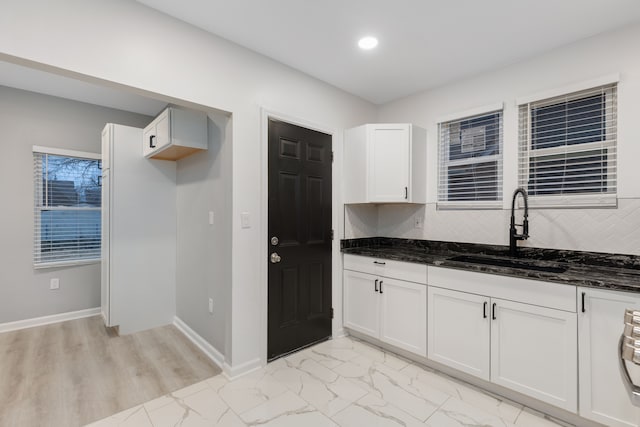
[513,234]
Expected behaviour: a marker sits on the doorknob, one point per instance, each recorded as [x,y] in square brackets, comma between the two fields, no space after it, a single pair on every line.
[275,258]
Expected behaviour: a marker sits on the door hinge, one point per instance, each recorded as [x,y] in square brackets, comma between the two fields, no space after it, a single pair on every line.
[331,234]
[332,157]
[331,312]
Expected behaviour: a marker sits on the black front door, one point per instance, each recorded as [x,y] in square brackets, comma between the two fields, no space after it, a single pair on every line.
[299,237]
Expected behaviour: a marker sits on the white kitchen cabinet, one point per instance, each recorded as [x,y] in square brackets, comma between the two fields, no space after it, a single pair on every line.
[385,163]
[403,312]
[603,397]
[361,303]
[517,333]
[459,330]
[174,134]
[533,351]
[386,308]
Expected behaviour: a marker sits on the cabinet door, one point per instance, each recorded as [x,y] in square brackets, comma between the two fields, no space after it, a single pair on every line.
[388,153]
[403,315]
[149,140]
[534,352]
[603,397]
[361,303]
[459,330]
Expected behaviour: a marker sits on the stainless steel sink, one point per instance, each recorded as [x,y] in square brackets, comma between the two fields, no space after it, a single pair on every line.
[505,262]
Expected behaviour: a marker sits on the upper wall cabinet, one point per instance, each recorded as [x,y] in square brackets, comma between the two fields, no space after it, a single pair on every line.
[174,134]
[385,163]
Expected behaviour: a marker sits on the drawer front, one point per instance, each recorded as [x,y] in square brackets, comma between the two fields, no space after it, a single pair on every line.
[362,264]
[401,270]
[544,294]
[387,268]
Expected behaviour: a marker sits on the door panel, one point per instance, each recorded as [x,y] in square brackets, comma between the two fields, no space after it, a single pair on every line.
[534,351]
[300,217]
[404,315]
[389,163]
[361,300]
[603,396]
[459,330]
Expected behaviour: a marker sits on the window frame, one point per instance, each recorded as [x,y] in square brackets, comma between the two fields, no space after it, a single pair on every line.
[39,207]
[444,163]
[609,87]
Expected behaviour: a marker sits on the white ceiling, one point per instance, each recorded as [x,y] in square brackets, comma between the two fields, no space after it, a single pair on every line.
[25,78]
[423,43]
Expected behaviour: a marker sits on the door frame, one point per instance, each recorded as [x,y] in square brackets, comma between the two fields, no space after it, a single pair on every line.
[337,220]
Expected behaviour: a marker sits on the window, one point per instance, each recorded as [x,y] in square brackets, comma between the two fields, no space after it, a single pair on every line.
[567,150]
[67,201]
[470,173]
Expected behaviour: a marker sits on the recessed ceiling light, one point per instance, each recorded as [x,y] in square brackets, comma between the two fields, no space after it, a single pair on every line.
[368,43]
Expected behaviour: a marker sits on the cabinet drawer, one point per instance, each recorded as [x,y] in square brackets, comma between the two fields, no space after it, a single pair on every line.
[387,268]
[359,263]
[544,294]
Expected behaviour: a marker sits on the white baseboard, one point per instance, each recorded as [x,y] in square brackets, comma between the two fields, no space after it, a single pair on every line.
[234,372]
[47,320]
[210,351]
[340,333]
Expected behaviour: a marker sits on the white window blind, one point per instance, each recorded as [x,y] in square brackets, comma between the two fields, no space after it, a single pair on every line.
[567,154]
[470,162]
[67,217]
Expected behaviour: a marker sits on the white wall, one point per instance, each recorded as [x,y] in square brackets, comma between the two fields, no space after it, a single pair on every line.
[28,119]
[605,230]
[124,43]
[204,250]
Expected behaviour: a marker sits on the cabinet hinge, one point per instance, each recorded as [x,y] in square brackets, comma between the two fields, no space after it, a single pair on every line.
[332,157]
[331,234]
[331,312]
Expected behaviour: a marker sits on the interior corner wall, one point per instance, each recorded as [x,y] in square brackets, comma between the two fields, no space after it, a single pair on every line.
[28,119]
[203,249]
[604,229]
[157,54]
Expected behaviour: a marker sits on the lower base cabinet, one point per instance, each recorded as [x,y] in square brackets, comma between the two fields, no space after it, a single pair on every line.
[527,348]
[459,331]
[393,311]
[534,351]
[603,397]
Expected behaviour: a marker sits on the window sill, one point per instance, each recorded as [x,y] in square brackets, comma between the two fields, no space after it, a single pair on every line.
[58,264]
[451,206]
[571,202]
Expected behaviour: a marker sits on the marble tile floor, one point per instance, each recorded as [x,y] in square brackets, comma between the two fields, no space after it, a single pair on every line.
[342,382]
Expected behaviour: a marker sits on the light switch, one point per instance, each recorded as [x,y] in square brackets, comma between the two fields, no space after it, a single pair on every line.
[245,220]
[211,217]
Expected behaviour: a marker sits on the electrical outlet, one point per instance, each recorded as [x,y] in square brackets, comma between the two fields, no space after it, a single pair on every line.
[54,284]
[211,305]
[418,221]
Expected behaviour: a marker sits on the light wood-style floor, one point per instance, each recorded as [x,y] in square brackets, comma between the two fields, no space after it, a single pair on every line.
[76,372]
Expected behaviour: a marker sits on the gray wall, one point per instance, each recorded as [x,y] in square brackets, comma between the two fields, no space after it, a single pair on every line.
[203,250]
[28,119]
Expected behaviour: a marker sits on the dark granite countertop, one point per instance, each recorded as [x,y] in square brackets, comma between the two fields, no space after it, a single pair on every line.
[588,269]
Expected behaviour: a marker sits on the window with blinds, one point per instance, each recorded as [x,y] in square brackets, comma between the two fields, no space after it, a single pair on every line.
[67,200]
[470,163]
[567,154]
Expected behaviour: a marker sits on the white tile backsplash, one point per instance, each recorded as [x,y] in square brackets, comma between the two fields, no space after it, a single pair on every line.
[615,230]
